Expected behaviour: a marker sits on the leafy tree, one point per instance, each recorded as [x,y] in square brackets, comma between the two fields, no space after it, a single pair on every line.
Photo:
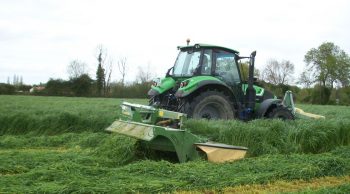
[328,64]
[244,70]
[320,95]
[104,71]
[58,87]
[100,80]
[7,88]
[81,86]
[100,73]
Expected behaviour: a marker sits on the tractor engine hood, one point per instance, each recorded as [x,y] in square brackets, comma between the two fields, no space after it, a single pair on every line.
[160,86]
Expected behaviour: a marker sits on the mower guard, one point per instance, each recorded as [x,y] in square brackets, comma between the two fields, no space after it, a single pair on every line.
[298,112]
[144,123]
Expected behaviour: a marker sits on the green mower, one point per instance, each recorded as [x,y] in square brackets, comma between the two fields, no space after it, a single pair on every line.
[204,83]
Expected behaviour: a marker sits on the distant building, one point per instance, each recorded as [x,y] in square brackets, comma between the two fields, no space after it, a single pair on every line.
[36,89]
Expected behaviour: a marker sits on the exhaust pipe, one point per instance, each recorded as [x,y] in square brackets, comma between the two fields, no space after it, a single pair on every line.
[251,93]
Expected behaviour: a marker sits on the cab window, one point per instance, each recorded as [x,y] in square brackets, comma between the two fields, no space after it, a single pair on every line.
[226,67]
[206,62]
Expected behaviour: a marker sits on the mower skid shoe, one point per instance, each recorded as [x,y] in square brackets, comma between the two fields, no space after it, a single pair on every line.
[219,153]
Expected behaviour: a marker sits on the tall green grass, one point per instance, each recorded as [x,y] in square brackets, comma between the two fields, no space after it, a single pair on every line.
[56,115]
[276,136]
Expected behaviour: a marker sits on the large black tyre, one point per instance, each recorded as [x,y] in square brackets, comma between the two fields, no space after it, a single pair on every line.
[280,112]
[210,105]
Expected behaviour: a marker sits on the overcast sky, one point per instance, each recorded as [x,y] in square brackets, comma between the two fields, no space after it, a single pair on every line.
[39,38]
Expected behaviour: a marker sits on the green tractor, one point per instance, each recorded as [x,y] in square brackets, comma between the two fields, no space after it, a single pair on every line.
[206,82]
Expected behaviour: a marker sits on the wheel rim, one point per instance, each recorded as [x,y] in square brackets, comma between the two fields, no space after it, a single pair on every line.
[282,115]
[211,111]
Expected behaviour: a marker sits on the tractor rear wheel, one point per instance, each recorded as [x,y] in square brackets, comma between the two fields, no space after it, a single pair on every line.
[281,112]
[210,105]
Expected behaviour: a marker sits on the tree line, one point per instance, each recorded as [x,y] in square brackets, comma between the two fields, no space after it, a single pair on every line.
[81,84]
[325,79]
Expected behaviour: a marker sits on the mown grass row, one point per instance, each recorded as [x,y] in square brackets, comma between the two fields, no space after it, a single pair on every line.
[97,162]
[315,185]
[341,189]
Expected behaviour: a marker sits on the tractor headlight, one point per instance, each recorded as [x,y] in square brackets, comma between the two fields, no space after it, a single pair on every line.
[184,83]
[156,82]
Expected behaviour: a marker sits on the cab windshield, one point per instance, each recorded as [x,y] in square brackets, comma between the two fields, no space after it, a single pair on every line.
[186,63]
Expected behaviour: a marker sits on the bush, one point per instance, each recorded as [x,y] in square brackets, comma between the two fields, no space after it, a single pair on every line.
[7,89]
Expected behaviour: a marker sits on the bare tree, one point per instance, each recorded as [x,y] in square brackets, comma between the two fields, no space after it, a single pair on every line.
[108,71]
[76,68]
[101,54]
[144,75]
[305,79]
[122,68]
[277,72]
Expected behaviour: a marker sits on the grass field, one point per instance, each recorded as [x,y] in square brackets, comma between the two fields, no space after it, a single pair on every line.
[58,145]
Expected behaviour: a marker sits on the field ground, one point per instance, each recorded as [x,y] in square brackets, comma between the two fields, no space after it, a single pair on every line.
[58,145]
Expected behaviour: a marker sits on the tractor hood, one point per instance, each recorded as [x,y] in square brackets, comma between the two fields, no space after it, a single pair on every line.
[161,85]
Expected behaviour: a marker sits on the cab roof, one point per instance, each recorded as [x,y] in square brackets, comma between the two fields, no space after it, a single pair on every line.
[208,46]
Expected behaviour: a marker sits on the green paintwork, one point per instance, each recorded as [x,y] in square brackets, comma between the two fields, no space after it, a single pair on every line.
[259,90]
[148,114]
[161,138]
[165,84]
[193,83]
[141,131]
[140,122]
[289,102]
[144,123]
[209,46]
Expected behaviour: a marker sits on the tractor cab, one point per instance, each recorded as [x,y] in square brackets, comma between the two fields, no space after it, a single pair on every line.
[207,60]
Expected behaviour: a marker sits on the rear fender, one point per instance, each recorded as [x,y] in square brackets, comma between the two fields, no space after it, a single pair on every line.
[266,105]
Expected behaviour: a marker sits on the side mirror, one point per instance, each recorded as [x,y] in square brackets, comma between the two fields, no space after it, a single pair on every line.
[168,72]
[253,54]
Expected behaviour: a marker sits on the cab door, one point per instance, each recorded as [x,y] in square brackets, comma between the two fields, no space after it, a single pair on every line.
[226,68]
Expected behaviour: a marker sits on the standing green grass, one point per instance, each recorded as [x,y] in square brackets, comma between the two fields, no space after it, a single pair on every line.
[52,115]
[58,145]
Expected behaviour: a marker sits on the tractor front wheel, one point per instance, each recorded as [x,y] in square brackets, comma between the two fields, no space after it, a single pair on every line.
[281,112]
[210,105]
